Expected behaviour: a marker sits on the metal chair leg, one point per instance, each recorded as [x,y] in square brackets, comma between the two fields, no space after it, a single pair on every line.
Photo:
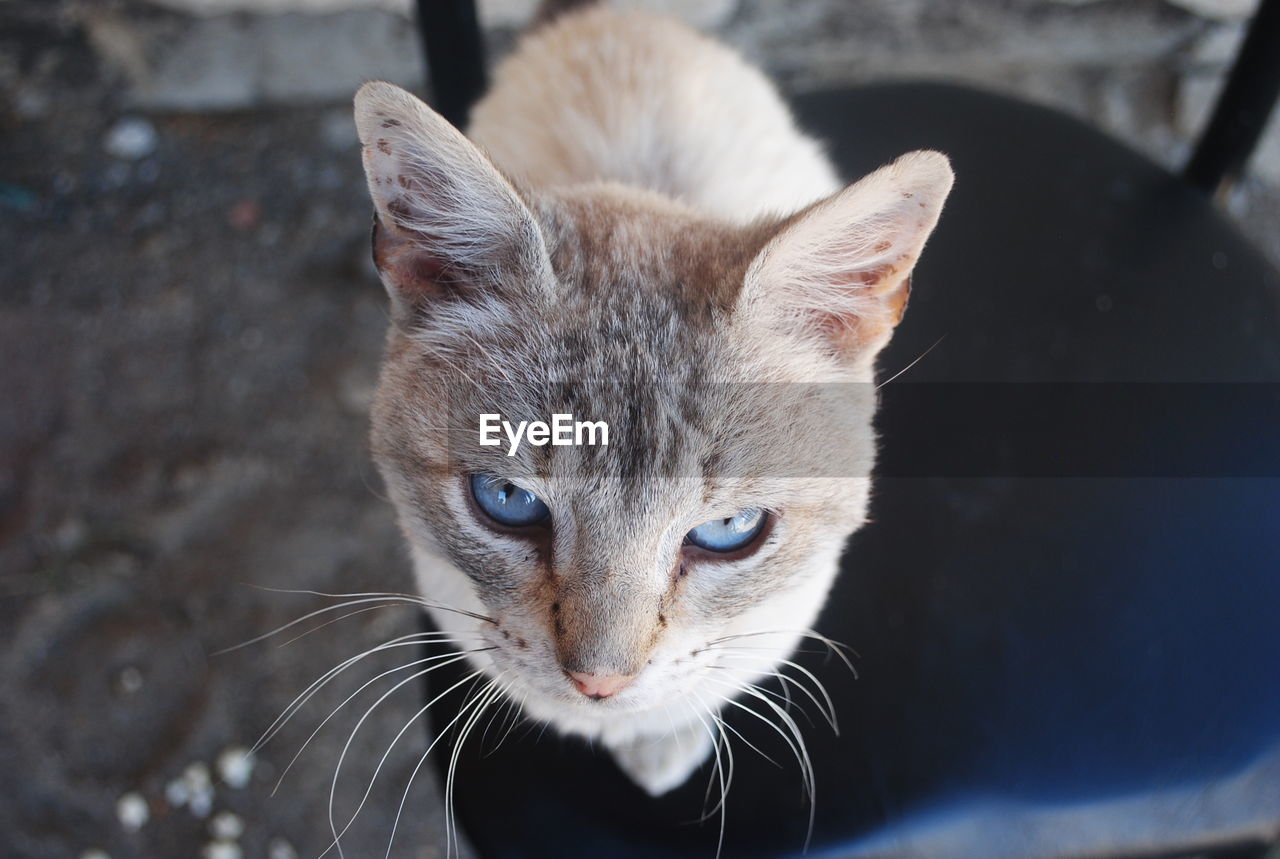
[1243,108]
[454,47]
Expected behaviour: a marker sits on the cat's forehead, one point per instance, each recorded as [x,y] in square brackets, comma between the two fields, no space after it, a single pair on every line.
[644,256]
[660,425]
[637,331]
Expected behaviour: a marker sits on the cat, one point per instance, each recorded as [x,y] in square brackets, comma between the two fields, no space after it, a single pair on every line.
[632,226]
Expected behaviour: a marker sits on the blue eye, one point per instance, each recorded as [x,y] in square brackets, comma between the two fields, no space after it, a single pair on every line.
[506,503]
[726,535]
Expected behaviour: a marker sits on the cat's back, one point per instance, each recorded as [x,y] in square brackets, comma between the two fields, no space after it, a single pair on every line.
[602,94]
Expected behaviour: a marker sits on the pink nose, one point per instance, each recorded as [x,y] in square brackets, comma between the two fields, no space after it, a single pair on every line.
[599,685]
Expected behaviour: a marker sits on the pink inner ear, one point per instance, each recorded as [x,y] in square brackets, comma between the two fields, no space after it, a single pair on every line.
[421,271]
[866,277]
[404,266]
[849,335]
[883,281]
[889,287]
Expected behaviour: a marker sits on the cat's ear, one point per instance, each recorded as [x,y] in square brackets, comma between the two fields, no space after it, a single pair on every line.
[447,221]
[839,272]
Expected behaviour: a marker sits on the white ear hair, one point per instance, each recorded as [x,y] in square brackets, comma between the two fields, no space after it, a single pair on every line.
[444,210]
[840,272]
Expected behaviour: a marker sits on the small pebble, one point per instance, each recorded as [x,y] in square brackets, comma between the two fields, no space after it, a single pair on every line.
[201,803]
[131,139]
[130,680]
[70,535]
[176,793]
[199,785]
[132,811]
[226,826]
[235,765]
[281,849]
[196,776]
[222,850]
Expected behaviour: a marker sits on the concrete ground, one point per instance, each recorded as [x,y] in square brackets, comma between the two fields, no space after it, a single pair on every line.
[189,332]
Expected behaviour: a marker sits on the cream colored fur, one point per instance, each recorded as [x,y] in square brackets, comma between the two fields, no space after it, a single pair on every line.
[646,101]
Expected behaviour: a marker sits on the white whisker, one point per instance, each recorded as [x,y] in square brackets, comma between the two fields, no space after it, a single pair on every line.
[378,599]
[450,658]
[742,706]
[717,772]
[404,797]
[723,804]
[488,693]
[352,613]
[411,640]
[806,765]
[724,724]
[826,707]
[417,599]
[506,710]
[833,646]
[333,785]
[913,363]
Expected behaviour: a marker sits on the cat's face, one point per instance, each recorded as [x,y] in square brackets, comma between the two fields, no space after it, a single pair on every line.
[612,576]
[603,574]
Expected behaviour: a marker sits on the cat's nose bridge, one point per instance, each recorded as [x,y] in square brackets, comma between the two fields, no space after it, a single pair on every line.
[605,629]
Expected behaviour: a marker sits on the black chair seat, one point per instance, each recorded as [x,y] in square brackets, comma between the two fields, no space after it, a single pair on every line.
[1048,665]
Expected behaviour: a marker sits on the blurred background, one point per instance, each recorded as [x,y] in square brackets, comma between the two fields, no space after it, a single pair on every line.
[189,332]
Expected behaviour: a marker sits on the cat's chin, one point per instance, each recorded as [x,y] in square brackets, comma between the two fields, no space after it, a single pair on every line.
[661,764]
[656,753]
